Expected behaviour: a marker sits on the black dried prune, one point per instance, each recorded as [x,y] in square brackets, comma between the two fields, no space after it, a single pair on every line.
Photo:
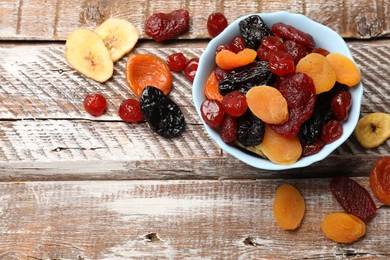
[253,29]
[250,129]
[162,114]
[246,77]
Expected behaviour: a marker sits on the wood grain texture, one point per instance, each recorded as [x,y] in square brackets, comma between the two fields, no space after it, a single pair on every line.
[46,134]
[55,20]
[172,220]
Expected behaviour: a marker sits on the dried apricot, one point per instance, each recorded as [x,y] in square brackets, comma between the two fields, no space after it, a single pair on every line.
[229,60]
[211,88]
[343,227]
[268,104]
[346,71]
[319,69]
[289,207]
[147,70]
[279,148]
[380,179]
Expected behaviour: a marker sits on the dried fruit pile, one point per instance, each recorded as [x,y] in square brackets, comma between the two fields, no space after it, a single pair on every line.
[297,92]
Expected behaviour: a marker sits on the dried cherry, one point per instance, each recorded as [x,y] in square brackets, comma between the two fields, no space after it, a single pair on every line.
[161,113]
[253,29]
[281,63]
[176,61]
[190,69]
[340,104]
[130,111]
[237,44]
[268,46]
[354,198]
[229,130]
[331,131]
[250,129]
[296,50]
[380,179]
[212,113]
[235,103]
[291,33]
[163,26]
[95,104]
[216,23]
[310,149]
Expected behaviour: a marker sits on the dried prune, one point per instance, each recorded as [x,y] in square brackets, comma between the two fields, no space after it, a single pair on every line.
[250,129]
[253,29]
[246,77]
[353,197]
[163,26]
[162,114]
[299,91]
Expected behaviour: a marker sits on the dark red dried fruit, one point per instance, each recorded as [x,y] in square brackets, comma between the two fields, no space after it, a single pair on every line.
[281,63]
[269,45]
[353,197]
[163,26]
[176,61]
[340,104]
[296,50]
[130,111]
[235,103]
[220,74]
[237,44]
[310,149]
[95,104]
[216,23]
[250,129]
[190,69]
[299,91]
[321,51]
[331,131]
[229,132]
[212,113]
[289,32]
[221,47]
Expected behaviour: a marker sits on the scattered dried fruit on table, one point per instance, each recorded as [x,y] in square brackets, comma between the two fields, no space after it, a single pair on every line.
[346,70]
[161,113]
[163,26]
[95,104]
[354,198]
[216,23]
[190,69]
[130,111]
[86,52]
[119,36]
[176,61]
[373,129]
[211,88]
[147,70]
[288,207]
[268,104]
[228,60]
[343,227]
[380,179]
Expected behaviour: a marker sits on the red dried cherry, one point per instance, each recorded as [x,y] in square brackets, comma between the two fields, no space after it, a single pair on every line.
[220,74]
[268,46]
[340,104]
[229,129]
[281,63]
[310,149]
[176,61]
[212,113]
[130,111]
[291,33]
[237,44]
[216,23]
[331,131]
[190,69]
[235,103]
[95,104]
[296,50]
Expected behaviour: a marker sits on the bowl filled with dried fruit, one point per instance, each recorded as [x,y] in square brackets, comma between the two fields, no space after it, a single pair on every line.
[278,90]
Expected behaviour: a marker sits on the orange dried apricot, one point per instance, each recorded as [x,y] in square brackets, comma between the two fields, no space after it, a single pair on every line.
[289,207]
[380,179]
[268,104]
[346,70]
[280,149]
[211,88]
[147,70]
[343,227]
[228,60]
[319,69]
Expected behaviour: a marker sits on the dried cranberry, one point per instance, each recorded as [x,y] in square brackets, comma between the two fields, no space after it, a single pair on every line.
[190,69]
[354,198]
[340,104]
[310,149]
[268,46]
[220,74]
[130,111]
[296,50]
[331,131]
[229,130]
[163,26]
[291,33]
[221,47]
[176,61]
[216,23]
[212,113]
[281,63]
[237,44]
[95,104]
[235,103]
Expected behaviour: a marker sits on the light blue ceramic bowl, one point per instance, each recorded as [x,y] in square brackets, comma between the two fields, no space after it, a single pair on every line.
[325,38]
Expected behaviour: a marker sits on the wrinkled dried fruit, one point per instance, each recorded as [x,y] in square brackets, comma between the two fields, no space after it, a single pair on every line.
[291,33]
[281,63]
[250,129]
[331,131]
[269,45]
[380,179]
[212,113]
[310,149]
[354,198]
[235,103]
[95,104]
[228,60]
[176,61]
[340,104]
[163,26]
[237,44]
[288,207]
[343,227]
[296,50]
[190,69]
[162,114]
[216,23]
[253,29]
[130,111]
[229,130]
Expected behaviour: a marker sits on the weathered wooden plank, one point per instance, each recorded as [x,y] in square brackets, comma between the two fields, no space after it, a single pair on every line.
[28,19]
[172,220]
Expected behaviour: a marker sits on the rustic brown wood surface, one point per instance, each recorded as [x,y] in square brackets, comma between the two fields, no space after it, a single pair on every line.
[75,186]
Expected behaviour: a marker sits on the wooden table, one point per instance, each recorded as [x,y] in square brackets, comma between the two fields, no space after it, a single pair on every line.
[81,187]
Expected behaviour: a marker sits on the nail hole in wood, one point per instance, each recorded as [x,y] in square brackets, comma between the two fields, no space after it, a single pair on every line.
[152,237]
[250,241]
